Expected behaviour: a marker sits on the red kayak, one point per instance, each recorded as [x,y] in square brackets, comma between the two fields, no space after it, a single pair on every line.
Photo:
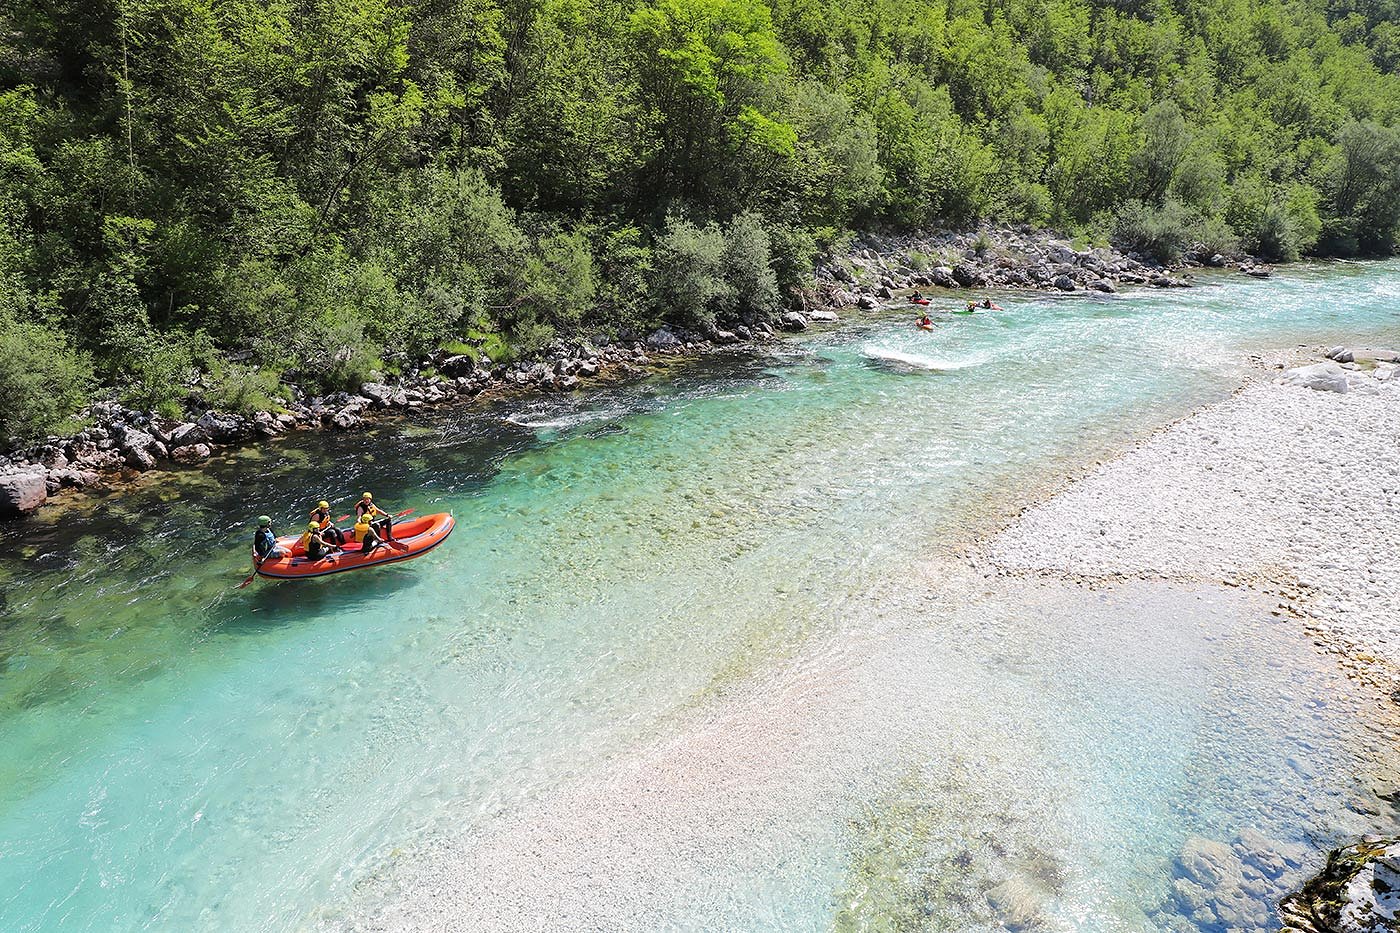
[928,326]
[412,538]
[918,301]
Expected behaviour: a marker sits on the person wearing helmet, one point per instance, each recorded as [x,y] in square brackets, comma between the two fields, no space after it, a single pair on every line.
[265,540]
[317,547]
[364,534]
[321,515]
[382,522]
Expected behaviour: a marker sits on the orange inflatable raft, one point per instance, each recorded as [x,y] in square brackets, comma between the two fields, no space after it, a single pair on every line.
[412,538]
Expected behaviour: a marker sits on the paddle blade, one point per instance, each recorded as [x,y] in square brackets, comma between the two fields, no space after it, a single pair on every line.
[341,519]
[246,582]
[404,512]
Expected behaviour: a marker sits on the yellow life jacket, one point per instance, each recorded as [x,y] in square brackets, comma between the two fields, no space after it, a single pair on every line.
[361,529]
[302,541]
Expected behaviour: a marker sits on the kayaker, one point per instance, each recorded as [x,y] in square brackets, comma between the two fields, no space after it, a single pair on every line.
[321,515]
[265,540]
[317,547]
[380,520]
[925,321]
[972,306]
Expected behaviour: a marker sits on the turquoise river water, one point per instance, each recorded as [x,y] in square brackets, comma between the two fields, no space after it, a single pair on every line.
[179,754]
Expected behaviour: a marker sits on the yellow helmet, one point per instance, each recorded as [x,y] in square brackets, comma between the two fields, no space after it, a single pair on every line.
[323,504]
[366,496]
[312,526]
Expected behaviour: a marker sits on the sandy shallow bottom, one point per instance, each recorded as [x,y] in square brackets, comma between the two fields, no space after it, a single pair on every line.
[1039,734]
[1283,488]
[1039,739]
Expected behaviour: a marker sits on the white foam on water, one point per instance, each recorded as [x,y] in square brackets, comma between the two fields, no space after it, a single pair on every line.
[887,355]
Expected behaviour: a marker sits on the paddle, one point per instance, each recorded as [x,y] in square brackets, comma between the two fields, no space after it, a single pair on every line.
[396,545]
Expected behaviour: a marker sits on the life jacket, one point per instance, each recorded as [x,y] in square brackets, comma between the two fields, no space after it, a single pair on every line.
[303,540]
[361,529]
[365,510]
[321,516]
[264,542]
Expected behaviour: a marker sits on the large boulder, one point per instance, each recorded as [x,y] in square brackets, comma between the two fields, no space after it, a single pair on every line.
[22,492]
[194,453]
[140,449]
[823,316]
[462,364]
[967,276]
[662,339]
[1322,377]
[222,427]
[943,277]
[185,434]
[1064,283]
[793,320]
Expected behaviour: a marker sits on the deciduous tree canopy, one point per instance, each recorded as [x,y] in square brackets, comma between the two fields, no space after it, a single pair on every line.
[324,189]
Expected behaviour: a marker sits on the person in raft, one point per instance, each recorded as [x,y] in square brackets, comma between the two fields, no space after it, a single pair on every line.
[317,547]
[364,535]
[265,540]
[381,521]
[321,515]
[925,321]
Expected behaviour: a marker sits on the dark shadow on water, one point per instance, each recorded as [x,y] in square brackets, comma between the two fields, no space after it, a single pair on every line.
[267,604]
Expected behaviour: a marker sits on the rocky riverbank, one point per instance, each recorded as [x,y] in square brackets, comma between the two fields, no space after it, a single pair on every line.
[1358,892]
[877,268]
[1288,487]
[121,441]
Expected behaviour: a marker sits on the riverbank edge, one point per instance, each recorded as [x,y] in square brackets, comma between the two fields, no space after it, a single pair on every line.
[877,269]
[1294,598]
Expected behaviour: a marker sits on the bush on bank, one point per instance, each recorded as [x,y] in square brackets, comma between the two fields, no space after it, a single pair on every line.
[335,189]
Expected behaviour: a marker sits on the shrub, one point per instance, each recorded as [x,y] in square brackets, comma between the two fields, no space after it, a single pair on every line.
[1162,233]
[242,389]
[625,266]
[688,282]
[752,291]
[43,380]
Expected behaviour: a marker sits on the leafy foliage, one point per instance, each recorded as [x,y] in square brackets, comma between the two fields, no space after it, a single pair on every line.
[330,189]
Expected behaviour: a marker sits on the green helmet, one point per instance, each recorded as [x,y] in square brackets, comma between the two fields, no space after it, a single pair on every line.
[264,520]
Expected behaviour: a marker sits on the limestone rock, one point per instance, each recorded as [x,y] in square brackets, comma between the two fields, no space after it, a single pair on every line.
[662,339]
[21,493]
[1322,377]
[193,453]
[794,321]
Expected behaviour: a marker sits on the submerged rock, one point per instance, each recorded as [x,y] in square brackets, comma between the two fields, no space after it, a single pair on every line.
[193,453]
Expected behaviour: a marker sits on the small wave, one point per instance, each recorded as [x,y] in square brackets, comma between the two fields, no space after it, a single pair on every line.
[564,421]
[917,361]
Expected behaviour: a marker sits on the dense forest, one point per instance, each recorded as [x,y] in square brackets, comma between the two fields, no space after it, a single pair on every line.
[268,190]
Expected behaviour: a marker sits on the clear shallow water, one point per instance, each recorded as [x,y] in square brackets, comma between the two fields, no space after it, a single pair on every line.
[181,754]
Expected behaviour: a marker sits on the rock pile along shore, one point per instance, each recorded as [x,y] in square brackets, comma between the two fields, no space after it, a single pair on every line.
[120,440]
